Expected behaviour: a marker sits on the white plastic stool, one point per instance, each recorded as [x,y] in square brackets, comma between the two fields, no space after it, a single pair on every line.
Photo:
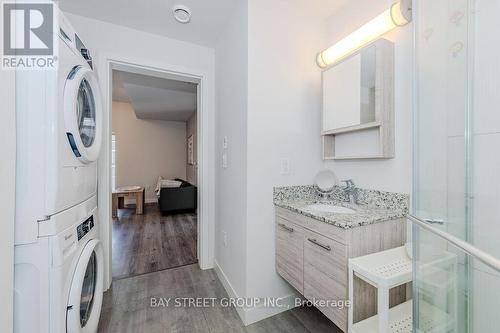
[383,270]
[391,268]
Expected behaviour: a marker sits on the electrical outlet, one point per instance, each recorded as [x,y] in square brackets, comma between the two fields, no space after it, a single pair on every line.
[224,238]
[224,142]
[285,166]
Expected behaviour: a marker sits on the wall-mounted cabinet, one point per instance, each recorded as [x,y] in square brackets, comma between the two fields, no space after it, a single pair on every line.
[358,105]
[313,257]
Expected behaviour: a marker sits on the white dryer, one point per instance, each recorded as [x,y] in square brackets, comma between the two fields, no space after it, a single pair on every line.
[59,124]
[59,279]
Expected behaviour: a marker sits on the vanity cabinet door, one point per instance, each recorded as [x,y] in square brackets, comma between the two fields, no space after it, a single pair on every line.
[325,275]
[290,253]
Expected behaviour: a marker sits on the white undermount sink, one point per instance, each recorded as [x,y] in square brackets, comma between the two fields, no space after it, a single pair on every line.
[325,208]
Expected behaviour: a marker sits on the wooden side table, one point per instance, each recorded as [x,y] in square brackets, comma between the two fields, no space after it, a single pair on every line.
[131,192]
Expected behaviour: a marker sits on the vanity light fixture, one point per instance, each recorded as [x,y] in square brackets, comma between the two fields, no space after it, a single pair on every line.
[182,14]
[397,16]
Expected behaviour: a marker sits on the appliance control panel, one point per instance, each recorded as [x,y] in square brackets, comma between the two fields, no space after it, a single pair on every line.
[77,44]
[85,227]
[84,51]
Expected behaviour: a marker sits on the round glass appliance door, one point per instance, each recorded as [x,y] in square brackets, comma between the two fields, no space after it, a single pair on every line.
[83,114]
[85,295]
[88,290]
[86,113]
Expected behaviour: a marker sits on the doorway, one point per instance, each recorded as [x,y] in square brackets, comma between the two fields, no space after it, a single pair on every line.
[153,173]
[205,147]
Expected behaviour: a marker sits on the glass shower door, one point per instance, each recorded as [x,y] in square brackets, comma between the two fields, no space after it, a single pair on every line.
[441,285]
[456,164]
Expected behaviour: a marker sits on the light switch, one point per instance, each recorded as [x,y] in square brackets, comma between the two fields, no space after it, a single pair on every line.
[285,166]
[224,142]
[224,160]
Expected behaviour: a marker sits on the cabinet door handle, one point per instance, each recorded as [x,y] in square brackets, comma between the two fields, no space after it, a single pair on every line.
[285,227]
[315,242]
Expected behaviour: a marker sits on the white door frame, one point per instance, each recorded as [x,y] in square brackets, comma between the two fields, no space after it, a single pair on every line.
[205,142]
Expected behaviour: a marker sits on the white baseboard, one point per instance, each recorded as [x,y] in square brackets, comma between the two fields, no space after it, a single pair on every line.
[250,315]
[229,289]
[258,313]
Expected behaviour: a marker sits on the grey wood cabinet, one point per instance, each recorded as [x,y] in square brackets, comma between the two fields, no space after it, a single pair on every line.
[290,253]
[313,256]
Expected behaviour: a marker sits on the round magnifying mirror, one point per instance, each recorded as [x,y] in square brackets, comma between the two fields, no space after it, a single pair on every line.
[325,181]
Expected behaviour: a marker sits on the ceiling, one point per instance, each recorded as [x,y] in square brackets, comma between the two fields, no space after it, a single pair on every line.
[155,98]
[155,16]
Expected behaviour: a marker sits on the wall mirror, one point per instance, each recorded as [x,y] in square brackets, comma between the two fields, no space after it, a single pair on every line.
[349,91]
[358,96]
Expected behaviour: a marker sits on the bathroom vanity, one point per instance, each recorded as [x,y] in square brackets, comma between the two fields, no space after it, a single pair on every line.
[316,236]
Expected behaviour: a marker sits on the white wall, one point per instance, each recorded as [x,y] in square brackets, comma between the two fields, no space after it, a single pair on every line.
[192,129]
[7,198]
[268,106]
[393,174]
[112,42]
[232,88]
[147,149]
[284,96]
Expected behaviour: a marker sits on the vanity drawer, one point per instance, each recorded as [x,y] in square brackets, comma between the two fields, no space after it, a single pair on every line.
[323,228]
[325,274]
[290,253]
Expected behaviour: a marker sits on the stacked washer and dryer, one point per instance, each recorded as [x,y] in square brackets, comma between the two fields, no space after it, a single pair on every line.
[58,256]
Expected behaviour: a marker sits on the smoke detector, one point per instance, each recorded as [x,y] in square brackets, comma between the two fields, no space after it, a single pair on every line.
[182,14]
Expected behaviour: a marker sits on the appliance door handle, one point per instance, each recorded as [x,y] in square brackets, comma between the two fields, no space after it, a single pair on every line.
[315,242]
[287,228]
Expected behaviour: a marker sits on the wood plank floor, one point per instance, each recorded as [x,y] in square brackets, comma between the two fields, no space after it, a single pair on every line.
[152,242]
[127,307]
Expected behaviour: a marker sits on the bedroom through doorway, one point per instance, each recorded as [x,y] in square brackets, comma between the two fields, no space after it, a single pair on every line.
[154,170]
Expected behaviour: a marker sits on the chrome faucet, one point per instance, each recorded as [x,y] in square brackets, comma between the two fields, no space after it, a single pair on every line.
[350,191]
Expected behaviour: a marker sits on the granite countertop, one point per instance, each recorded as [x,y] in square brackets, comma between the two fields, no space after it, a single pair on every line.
[372,206]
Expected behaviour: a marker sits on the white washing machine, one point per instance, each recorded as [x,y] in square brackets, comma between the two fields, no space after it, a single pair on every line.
[58,257]
[59,125]
[59,279]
